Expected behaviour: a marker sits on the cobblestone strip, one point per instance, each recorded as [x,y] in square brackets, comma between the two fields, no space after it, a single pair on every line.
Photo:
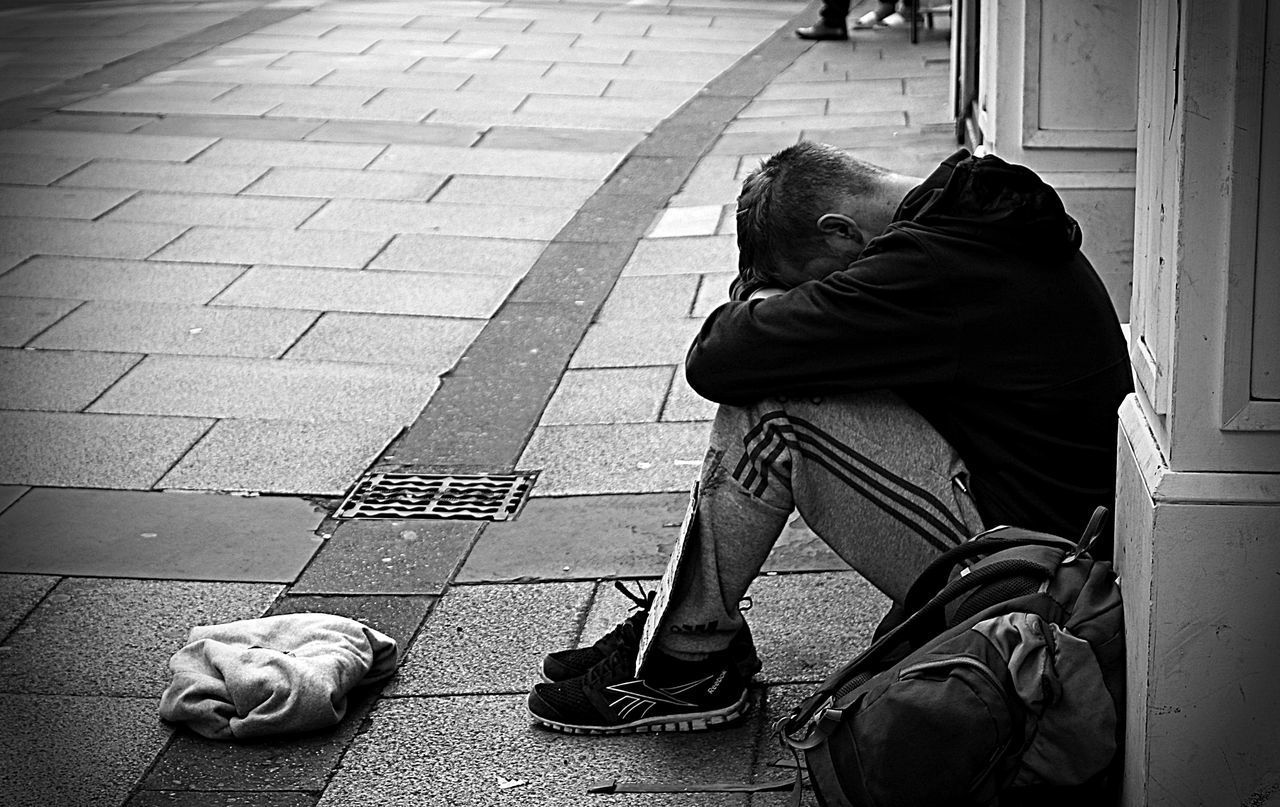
[24,109]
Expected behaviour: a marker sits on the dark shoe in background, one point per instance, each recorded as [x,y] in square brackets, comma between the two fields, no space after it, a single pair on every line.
[822,31]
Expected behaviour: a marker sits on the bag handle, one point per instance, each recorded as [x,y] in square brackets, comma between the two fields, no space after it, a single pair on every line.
[935,575]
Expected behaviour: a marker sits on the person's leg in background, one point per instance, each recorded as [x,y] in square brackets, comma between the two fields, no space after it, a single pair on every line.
[832,23]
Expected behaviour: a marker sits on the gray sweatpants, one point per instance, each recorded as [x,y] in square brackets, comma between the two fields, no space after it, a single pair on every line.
[869,475]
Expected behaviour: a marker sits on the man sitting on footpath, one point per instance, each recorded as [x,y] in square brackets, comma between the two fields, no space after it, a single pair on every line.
[903,362]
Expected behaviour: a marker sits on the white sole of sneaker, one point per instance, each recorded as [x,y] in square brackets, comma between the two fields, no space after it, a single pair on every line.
[691,722]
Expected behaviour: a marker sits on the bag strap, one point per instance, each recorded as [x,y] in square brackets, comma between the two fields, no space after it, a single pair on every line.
[935,576]
[933,590]
[788,727]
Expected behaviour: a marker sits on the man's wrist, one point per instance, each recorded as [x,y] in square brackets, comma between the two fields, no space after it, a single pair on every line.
[765,292]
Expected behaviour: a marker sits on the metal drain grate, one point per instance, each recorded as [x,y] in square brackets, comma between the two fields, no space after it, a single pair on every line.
[476,497]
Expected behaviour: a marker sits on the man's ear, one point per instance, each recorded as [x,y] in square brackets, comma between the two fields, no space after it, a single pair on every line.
[841,225]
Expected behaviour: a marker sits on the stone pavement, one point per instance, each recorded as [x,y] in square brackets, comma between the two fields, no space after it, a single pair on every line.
[249,250]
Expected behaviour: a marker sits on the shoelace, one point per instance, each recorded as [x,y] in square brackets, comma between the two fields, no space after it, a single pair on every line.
[621,662]
[614,667]
[643,599]
[627,632]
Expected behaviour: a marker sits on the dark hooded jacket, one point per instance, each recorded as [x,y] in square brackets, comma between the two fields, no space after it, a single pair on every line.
[977,307]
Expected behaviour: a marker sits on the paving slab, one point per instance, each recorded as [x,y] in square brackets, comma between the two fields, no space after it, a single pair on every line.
[486,639]
[239,128]
[431,133]
[147,99]
[396,616]
[619,458]
[519,191]
[371,292]
[683,255]
[459,254]
[560,139]
[282,153]
[712,293]
[428,102]
[61,203]
[281,456]
[19,594]
[495,219]
[195,765]
[29,169]
[350,77]
[180,798]
[471,67]
[177,177]
[102,145]
[150,327]
[224,211]
[380,556]
[432,344]
[198,386]
[418,749]
[90,239]
[71,278]
[683,404]
[272,246]
[339,183]
[521,119]
[75,750]
[64,449]
[582,272]
[521,53]
[180,536]
[376,113]
[338,61]
[582,537]
[806,625]
[613,395]
[478,423]
[636,343]
[58,380]
[10,494]
[683,221]
[132,626]
[607,217]
[511,162]
[664,297]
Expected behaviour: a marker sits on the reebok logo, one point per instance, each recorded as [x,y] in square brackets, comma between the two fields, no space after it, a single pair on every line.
[637,699]
[715,685]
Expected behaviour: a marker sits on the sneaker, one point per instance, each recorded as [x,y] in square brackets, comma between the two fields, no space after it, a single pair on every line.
[675,696]
[565,664]
[869,20]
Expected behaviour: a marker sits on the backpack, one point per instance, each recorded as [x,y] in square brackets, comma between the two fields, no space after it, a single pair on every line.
[998,681]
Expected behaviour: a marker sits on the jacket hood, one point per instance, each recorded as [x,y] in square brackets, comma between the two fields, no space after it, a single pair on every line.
[994,200]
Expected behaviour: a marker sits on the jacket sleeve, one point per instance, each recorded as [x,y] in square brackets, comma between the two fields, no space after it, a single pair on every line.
[887,321]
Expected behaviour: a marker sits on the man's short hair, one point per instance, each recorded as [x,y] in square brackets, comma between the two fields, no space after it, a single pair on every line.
[782,199]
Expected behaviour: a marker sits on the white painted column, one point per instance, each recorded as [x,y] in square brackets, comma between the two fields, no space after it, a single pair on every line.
[1198,506]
